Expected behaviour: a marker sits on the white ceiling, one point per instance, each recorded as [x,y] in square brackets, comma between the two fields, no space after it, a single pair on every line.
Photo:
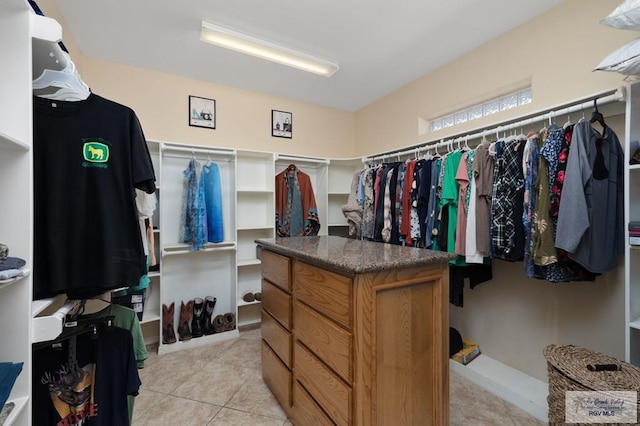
[381,45]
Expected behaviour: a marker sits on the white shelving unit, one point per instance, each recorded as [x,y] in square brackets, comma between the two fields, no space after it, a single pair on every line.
[632,213]
[228,269]
[255,198]
[184,274]
[18,26]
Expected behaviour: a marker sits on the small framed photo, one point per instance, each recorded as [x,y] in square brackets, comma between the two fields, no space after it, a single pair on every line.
[202,112]
[281,124]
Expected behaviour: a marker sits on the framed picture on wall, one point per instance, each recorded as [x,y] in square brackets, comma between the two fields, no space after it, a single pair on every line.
[202,112]
[281,124]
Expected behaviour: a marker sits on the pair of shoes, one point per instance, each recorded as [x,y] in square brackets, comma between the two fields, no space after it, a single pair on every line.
[226,322]
[249,296]
[195,319]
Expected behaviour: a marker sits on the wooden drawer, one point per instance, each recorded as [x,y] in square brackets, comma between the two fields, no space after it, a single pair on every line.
[305,410]
[326,291]
[277,337]
[277,377]
[277,303]
[277,269]
[326,388]
[328,341]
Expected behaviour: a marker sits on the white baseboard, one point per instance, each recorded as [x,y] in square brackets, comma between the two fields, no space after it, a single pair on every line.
[525,392]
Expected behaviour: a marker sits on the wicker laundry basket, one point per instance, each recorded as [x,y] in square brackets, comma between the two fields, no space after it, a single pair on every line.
[567,368]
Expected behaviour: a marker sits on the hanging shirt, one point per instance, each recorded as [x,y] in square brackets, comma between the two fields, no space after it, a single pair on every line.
[483,173]
[97,394]
[449,198]
[462,178]
[296,210]
[88,156]
[368,215]
[591,216]
[213,202]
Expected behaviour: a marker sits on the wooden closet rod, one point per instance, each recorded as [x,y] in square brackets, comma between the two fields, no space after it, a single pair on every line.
[548,114]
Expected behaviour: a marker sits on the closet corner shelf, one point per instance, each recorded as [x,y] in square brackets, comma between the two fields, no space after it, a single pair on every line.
[249,262]
[7,141]
[337,193]
[635,324]
[153,274]
[156,229]
[6,283]
[174,249]
[337,224]
[20,404]
[634,167]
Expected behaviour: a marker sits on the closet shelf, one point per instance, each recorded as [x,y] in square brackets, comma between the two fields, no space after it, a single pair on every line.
[243,303]
[153,274]
[635,324]
[7,141]
[6,283]
[45,28]
[255,191]
[49,327]
[633,167]
[200,341]
[175,249]
[150,315]
[249,262]
[20,404]
[254,227]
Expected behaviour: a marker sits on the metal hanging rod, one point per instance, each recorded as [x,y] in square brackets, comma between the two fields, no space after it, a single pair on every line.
[302,159]
[618,95]
[168,147]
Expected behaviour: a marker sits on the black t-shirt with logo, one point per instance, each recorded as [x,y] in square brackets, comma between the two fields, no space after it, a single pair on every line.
[88,158]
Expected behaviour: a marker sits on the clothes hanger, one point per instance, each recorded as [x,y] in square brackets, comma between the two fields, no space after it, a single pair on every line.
[596,116]
[568,123]
[58,78]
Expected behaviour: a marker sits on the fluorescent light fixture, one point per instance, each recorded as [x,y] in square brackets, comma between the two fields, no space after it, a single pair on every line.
[254,46]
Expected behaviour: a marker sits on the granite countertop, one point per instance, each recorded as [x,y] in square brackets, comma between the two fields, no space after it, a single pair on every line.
[354,256]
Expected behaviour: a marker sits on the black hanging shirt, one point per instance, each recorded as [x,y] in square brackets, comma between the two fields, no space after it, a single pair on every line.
[88,158]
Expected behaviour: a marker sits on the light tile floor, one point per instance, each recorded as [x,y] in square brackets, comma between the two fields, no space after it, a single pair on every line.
[221,384]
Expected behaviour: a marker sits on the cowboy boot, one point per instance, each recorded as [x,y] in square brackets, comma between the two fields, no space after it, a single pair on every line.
[196,322]
[209,304]
[168,335]
[185,317]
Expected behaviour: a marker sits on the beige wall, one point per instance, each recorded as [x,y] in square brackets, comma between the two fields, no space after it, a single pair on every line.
[555,53]
[243,118]
[512,318]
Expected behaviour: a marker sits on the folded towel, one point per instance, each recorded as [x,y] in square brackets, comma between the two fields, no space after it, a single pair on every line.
[10,273]
[12,263]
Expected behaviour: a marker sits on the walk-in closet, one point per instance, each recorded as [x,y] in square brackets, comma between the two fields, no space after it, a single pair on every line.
[199,233]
